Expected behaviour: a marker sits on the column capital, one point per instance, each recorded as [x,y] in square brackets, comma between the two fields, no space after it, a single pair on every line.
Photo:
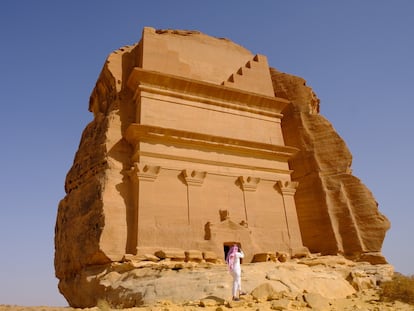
[249,183]
[193,177]
[144,172]
[287,187]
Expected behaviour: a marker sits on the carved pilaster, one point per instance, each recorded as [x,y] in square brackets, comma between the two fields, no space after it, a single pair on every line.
[288,190]
[194,178]
[249,183]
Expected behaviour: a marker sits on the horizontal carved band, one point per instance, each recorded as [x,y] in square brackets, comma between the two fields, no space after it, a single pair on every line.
[205,92]
[145,133]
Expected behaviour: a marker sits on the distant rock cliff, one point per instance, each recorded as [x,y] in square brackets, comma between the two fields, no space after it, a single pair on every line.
[196,144]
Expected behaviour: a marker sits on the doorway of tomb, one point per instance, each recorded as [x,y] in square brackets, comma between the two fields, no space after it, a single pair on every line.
[227,246]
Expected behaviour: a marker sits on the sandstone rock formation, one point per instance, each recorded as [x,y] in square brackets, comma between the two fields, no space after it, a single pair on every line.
[310,284]
[136,283]
[337,212]
[196,144]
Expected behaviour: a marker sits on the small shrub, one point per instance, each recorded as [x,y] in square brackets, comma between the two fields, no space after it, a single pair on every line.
[400,288]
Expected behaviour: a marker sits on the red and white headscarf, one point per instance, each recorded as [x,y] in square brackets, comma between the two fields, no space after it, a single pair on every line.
[231,257]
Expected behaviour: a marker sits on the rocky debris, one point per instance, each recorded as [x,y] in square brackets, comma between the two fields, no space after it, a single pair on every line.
[361,301]
[316,301]
[133,282]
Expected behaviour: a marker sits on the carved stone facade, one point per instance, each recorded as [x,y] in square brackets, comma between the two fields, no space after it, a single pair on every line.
[200,147]
[190,151]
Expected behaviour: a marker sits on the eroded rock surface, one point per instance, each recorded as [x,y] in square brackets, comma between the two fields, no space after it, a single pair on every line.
[336,211]
[144,282]
[196,144]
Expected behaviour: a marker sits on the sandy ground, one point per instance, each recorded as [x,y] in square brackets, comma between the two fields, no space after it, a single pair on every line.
[363,302]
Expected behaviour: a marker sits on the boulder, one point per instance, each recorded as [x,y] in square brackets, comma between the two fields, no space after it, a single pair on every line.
[172,254]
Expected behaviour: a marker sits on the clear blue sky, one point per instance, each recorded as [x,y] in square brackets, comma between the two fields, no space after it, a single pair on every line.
[356,55]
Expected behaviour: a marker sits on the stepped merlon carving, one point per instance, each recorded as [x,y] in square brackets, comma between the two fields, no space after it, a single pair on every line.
[247,77]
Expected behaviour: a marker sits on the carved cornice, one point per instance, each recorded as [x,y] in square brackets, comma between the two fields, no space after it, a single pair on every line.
[287,187]
[249,183]
[166,84]
[213,162]
[194,178]
[136,133]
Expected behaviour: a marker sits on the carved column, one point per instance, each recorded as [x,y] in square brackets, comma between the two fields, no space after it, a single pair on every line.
[194,180]
[249,186]
[143,177]
[288,190]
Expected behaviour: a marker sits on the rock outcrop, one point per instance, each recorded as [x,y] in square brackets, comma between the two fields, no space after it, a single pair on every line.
[144,282]
[336,211]
[196,144]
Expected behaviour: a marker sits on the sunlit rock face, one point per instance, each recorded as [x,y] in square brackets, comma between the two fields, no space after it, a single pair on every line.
[337,213]
[196,144]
